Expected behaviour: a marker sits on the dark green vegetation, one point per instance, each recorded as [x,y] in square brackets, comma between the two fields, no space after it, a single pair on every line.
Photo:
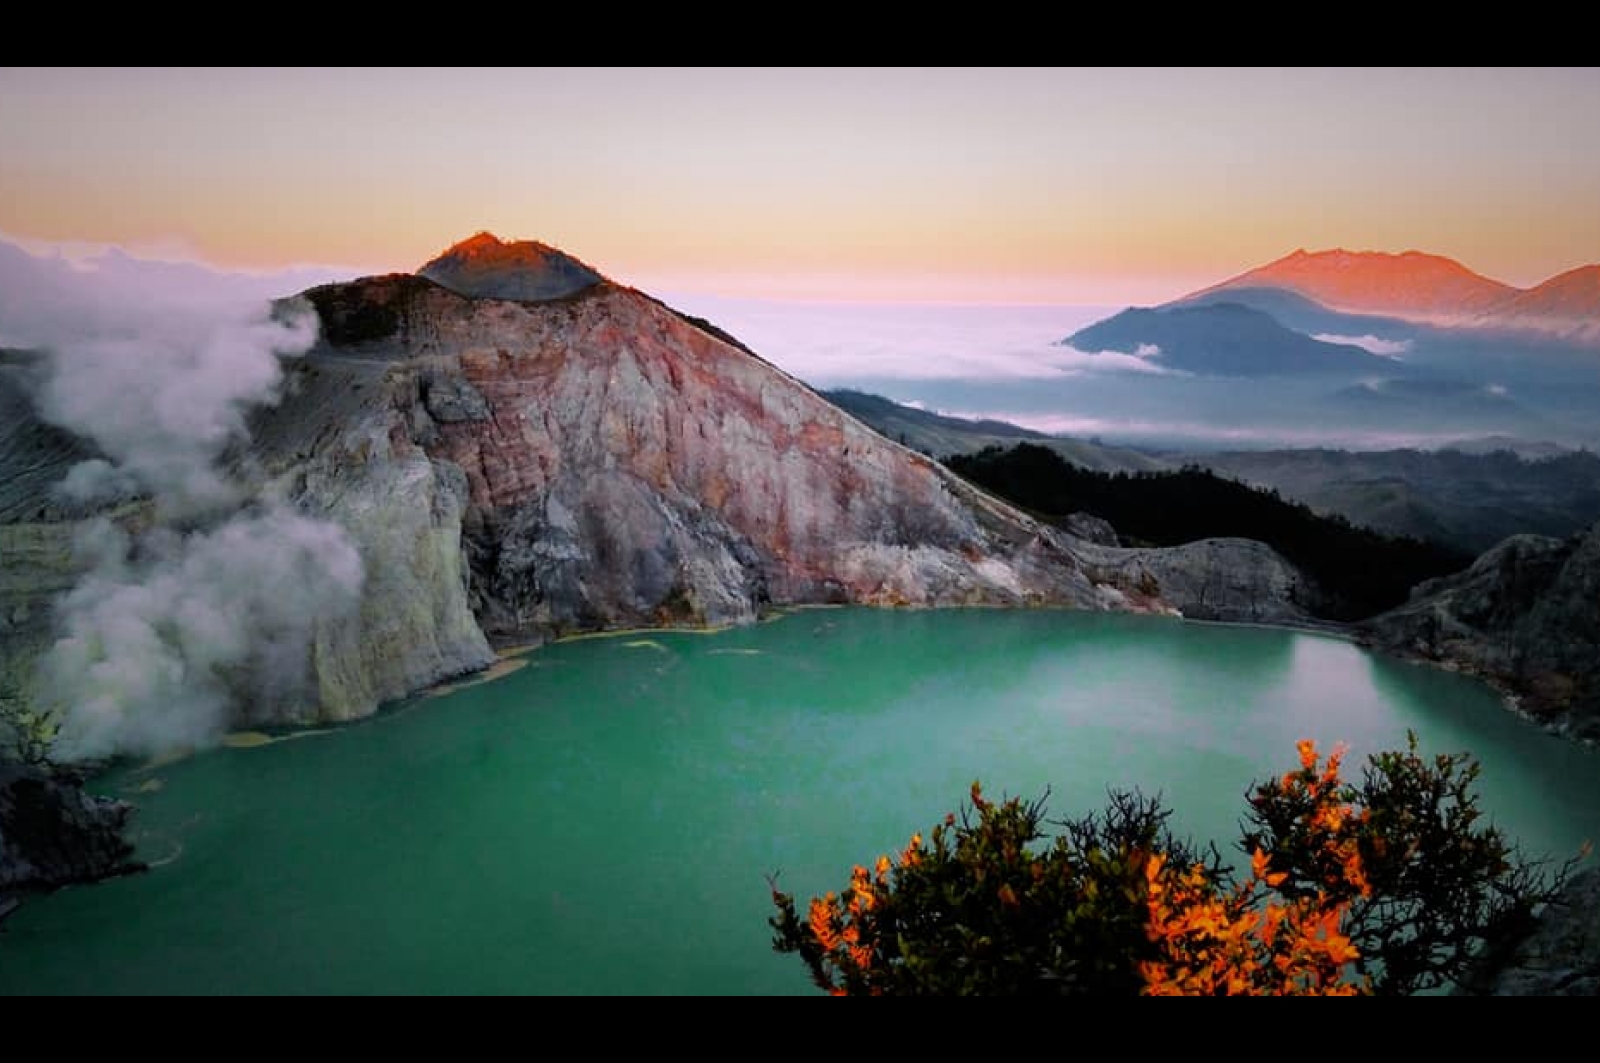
[1361,571]
[1388,886]
[965,912]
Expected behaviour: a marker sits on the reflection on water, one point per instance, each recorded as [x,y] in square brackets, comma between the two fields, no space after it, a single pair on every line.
[601,821]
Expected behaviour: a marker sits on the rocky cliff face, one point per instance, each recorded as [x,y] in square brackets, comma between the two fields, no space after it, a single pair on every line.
[1236,580]
[622,466]
[37,526]
[339,447]
[53,834]
[1524,616]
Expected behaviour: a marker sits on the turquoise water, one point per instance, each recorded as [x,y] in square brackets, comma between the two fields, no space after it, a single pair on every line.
[600,822]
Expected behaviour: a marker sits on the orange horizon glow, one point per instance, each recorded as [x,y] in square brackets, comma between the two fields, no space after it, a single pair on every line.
[1059,185]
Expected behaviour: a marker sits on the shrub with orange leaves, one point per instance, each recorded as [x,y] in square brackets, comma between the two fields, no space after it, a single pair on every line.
[1425,887]
[1117,905]
[974,909]
[1251,940]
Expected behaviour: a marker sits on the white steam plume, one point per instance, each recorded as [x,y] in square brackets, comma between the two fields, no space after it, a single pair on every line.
[156,364]
[177,633]
[163,402]
[162,651]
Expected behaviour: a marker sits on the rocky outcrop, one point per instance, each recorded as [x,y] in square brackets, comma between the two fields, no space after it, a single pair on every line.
[1523,616]
[1238,580]
[1091,529]
[53,834]
[1560,957]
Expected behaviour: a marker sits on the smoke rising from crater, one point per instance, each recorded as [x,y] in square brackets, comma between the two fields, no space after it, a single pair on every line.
[205,617]
[171,640]
[156,364]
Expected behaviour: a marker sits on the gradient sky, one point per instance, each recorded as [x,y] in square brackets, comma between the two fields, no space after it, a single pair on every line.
[1026,185]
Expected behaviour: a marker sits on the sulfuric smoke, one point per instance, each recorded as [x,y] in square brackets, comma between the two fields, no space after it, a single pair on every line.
[205,618]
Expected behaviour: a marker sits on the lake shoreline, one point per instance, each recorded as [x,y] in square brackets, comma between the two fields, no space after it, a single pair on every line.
[1349,632]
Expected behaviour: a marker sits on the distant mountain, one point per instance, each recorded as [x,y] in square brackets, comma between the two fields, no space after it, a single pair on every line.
[942,436]
[1527,449]
[1565,306]
[1303,314]
[485,267]
[1431,289]
[1468,500]
[1468,496]
[1413,285]
[1223,339]
[1483,404]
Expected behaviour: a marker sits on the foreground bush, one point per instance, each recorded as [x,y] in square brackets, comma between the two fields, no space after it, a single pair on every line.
[1387,887]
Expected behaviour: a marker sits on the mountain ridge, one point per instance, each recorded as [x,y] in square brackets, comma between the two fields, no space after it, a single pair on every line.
[1430,289]
[1411,282]
[1566,306]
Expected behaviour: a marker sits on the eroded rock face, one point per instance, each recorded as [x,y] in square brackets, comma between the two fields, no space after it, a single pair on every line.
[1524,615]
[624,466]
[1090,528]
[340,449]
[1238,580]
